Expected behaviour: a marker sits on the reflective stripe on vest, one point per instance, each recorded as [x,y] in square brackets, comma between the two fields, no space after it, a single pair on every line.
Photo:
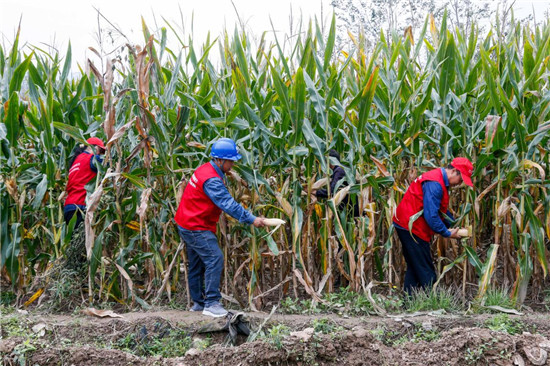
[196,210]
[413,202]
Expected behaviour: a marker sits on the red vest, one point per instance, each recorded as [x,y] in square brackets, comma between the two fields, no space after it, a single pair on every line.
[196,210]
[413,202]
[79,175]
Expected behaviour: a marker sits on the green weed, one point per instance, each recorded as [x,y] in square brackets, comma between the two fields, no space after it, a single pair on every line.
[13,327]
[326,326]
[174,344]
[429,300]
[276,335]
[473,356]
[503,323]
[493,297]
[6,298]
[20,352]
[422,334]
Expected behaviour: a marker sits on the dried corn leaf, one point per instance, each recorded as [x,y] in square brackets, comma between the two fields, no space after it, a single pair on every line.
[144,203]
[196,144]
[95,71]
[320,184]
[11,186]
[287,208]
[134,225]
[33,298]
[381,167]
[101,313]
[504,207]
[107,84]
[340,195]
[491,126]
[119,133]
[529,164]
[483,194]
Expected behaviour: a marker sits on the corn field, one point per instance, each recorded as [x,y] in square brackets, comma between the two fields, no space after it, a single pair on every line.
[408,105]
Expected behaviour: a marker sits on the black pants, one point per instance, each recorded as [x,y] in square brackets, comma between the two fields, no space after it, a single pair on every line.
[69,215]
[420,268]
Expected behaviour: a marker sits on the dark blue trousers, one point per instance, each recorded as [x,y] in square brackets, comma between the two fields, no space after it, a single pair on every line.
[205,265]
[420,268]
[70,210]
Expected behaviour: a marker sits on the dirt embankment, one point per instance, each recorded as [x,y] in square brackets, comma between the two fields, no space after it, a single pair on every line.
[144,339]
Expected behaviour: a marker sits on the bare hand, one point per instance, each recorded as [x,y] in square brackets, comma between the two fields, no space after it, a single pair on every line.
[258,222]
[454,234]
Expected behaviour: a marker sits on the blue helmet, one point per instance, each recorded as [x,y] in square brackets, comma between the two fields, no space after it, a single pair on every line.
[226,149]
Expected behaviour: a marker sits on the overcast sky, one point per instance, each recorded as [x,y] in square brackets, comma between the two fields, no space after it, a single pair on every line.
[54,22]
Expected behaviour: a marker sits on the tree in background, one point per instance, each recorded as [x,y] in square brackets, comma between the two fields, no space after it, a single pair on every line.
[373,16]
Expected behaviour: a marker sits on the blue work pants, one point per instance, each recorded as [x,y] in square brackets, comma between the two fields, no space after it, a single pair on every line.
[420,268]
[205,265]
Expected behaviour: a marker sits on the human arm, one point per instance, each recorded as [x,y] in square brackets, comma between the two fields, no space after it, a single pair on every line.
[94,160]
[448,219]
[218,193]
[433,193]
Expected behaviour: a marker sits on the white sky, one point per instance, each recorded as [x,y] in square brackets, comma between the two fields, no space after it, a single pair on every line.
[54,22]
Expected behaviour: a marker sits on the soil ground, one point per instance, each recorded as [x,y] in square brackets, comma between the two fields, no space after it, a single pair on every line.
[410,339]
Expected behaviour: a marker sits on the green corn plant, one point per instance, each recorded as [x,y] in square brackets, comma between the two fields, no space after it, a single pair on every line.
[393,110]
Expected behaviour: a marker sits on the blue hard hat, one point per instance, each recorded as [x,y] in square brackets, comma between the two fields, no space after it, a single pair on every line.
[226,149]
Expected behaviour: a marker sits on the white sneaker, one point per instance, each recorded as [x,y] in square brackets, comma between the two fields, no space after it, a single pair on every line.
[216,310]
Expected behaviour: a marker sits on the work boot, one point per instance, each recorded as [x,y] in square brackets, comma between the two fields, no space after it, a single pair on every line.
[196,307]
[216,310]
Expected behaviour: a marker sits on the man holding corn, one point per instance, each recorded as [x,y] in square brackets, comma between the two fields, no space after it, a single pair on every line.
[425,203]
[203,200]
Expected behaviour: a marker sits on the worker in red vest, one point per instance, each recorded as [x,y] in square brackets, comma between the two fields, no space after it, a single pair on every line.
[203,200]
[83,168]
[428,194]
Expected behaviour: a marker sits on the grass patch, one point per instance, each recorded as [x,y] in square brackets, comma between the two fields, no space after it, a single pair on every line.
[6,298]
[344,301]
[6,309]
[290,305]
[503,323]
[173,344]
[13,327]
[430,300]
[493,297]
[499,297]
[426,335]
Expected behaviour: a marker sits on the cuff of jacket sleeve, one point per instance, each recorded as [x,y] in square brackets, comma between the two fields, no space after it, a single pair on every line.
[251,219]
[446,234]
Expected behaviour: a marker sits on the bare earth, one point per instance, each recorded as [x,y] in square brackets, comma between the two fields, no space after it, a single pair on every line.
[78,339]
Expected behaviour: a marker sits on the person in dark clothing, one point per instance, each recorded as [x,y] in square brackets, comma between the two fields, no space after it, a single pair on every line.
[427,199]
[338,174]
[82,170]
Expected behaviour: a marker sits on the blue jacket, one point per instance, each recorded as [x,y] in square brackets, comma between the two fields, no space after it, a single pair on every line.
[218,193]
[433,194]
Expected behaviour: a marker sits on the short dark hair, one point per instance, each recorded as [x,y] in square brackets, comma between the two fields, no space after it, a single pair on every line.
[334,154]
[450,166]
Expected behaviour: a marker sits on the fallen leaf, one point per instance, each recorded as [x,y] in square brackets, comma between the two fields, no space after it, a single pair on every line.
[101,313]
[504,310]
[39,329]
